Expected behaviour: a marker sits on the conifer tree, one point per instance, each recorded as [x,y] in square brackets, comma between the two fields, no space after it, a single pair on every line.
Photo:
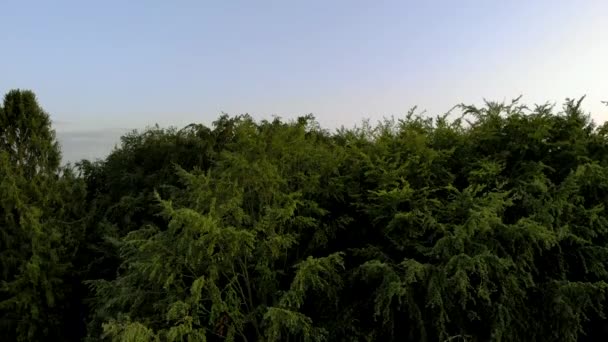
[36,239]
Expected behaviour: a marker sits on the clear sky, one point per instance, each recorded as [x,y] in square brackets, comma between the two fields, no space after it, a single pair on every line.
[100,67]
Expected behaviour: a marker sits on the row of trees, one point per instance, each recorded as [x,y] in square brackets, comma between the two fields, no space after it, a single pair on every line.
[491,226]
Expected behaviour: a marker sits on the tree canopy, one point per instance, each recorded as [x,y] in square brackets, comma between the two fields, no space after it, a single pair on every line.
[485,224]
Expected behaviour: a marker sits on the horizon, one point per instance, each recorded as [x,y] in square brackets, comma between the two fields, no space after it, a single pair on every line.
[100,72]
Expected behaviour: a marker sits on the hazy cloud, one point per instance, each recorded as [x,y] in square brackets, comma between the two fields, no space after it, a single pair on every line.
[88,144]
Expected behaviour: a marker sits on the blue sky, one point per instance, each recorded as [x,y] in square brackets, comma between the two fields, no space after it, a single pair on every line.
[102,67]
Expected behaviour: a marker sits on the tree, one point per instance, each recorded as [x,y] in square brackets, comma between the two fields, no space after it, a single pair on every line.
[489,226]
[26,136]
[38,230]
[224,263]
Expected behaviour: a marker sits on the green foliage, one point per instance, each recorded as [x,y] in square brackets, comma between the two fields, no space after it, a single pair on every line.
[488,226]
[26,136]
[39,226]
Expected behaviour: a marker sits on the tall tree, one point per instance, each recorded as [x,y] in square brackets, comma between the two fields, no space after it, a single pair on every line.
[36,239]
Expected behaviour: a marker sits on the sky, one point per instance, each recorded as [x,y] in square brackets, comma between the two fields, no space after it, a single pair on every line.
[105,67]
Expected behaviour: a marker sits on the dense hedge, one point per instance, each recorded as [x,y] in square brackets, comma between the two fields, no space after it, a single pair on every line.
[486,226]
